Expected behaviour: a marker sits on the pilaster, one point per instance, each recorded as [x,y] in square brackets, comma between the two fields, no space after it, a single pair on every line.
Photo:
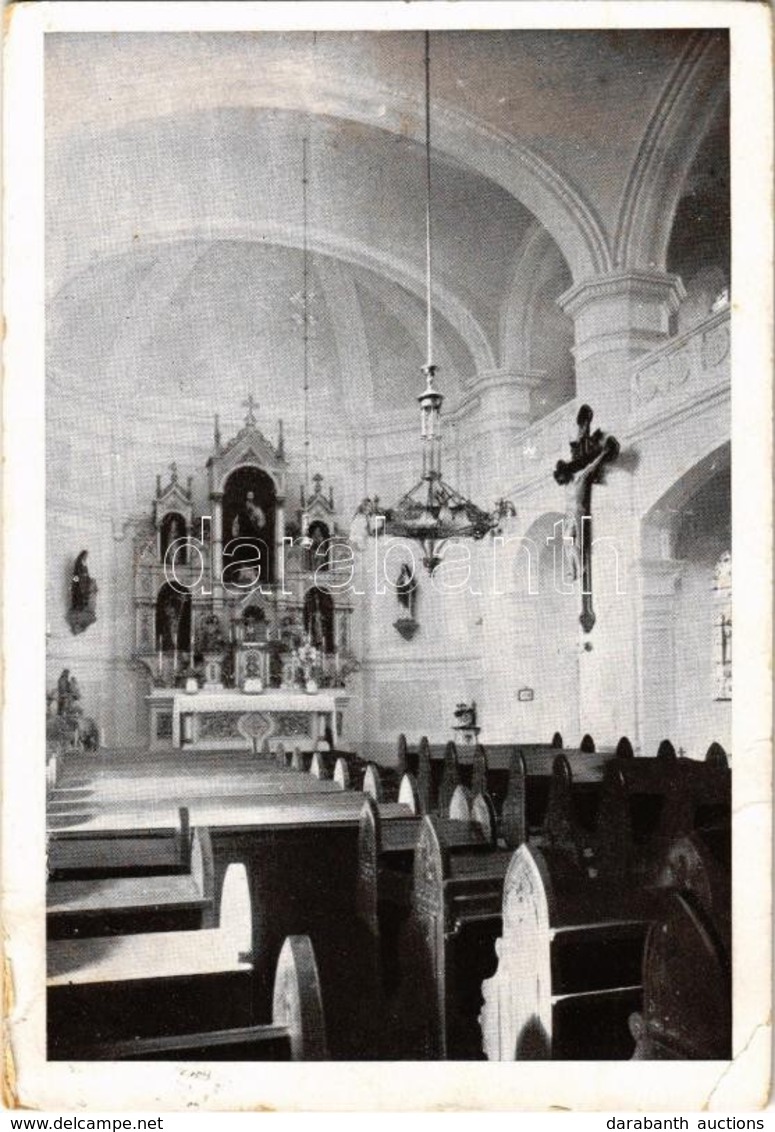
[617,318]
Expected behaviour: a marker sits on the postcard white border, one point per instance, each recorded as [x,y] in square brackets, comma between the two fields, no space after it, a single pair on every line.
[655,1086]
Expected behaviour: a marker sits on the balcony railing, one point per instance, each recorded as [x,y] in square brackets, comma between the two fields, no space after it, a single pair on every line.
[685,369]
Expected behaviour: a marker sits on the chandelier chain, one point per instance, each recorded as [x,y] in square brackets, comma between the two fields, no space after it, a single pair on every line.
[428,217]
[305,306]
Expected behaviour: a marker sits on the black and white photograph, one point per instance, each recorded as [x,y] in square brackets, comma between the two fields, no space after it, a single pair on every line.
[388,585]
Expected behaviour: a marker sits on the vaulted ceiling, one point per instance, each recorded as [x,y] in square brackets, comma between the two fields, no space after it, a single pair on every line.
[174,199]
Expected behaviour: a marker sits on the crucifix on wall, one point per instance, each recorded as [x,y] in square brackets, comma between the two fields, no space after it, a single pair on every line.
[590,452]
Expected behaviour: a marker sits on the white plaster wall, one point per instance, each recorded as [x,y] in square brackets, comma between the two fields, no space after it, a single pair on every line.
[699,717]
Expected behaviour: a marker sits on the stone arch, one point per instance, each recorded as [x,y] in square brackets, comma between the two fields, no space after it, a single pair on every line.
[676,614]
[536,252]
[530,178]
[689,100]
[659,517]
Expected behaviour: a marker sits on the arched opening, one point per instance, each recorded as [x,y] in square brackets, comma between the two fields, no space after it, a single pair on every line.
[173,619]
[173,529]
[249,504]
[319,552]
[686,615]
[700,238]
[319,618]
[545,634]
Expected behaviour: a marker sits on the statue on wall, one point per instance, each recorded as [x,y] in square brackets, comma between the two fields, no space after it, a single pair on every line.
[590,451]
[406,593]
[406,589]
[80,731]
[83,596]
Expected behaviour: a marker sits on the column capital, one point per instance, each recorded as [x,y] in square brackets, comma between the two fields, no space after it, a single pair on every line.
[649,286]
[625,311]
[216,496]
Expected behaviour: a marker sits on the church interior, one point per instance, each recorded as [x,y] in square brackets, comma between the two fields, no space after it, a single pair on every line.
[388,566]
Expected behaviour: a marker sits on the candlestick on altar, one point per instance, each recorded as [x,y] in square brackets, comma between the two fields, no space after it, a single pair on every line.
[159,662]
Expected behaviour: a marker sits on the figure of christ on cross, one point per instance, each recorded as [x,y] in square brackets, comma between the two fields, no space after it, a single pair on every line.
[589,453]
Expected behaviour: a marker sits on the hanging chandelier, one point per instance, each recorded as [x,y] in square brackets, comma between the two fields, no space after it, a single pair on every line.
[432,512]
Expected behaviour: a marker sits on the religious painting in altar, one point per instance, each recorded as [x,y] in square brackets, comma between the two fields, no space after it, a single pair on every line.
[173,538]
[173,619]
[249,504]
[319,618]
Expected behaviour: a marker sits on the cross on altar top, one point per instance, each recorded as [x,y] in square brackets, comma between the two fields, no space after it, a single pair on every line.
[317,479]
[250,405]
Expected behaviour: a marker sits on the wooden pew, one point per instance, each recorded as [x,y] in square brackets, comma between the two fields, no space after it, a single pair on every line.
[297,1031]
[439,773]
[113,988]
[137,853]
[569,963]
[687,985]
[532,791]
[646,804]
[303,881]
[123,905]
[455,917]
[386,878]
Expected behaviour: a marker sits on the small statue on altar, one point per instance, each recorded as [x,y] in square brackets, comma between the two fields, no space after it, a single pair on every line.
[211,634]
[83,596]
[254,625]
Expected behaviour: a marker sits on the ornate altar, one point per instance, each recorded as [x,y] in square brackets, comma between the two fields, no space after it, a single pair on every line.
[233,720]
[227,591]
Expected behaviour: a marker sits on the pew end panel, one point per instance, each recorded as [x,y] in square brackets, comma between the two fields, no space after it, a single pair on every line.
[513,825]
[409,794]
[297,1003]
[687,994]
[342,774]
[569,964]
[456,914]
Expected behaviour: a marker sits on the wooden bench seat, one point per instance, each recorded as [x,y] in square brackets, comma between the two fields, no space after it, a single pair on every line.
[297,1031]
[115,987]
[129,904]
[141,958]
[124,894]
[136,852]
